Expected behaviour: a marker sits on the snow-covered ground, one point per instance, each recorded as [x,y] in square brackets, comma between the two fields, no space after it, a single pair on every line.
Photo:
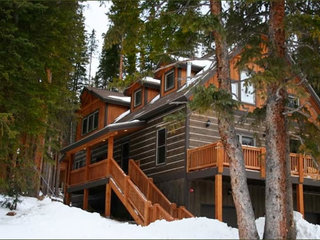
[47,219]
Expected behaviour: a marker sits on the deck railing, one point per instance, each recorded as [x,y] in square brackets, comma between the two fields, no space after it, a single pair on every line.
[78,176]
[97,170]
[153,193]
[213,155]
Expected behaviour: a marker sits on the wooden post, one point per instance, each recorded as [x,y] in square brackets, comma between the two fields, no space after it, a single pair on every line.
[85,199]
[300,200]
[88,160]
[146,212]
[107,212]
[300,168]
[263,162]
[218,197]
[110,147]
[220,156]
[68,182]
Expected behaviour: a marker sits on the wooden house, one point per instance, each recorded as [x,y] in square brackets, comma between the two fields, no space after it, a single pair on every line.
[126,155]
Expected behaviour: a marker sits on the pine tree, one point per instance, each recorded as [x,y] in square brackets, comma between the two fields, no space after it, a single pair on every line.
[36,70]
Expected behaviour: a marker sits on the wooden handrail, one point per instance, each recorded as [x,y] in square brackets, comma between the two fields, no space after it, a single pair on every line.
[147,187]
[150,190]
[213,154]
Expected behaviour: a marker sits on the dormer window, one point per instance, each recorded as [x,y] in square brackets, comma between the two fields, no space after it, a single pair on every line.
[243,91]
[90,123]
[137,98]
[169,81]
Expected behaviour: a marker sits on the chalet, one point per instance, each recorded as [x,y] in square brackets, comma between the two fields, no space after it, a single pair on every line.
[126,159]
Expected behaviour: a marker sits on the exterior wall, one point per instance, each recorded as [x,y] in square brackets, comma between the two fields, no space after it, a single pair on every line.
[151,94]
[113,111]
[174,190]
[90,105]
[200,135]
[143,148]
[201,200]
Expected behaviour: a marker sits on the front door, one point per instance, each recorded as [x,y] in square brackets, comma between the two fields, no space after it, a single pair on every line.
[125,156]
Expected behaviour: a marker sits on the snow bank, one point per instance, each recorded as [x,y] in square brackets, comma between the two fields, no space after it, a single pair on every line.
[46,219]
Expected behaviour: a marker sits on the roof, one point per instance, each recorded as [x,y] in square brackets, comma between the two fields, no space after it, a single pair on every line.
[107,129]
[109,96]
[148,82]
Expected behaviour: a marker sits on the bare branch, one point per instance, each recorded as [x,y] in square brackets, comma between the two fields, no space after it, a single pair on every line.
[296,109]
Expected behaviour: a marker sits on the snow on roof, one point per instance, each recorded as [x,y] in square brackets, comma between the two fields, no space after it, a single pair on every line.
[122,123]
[155,99]
[122,116]
[151,80]
[124,99]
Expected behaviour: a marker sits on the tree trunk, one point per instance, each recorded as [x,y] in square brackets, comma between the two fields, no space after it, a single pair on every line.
[240,191]
[279,207]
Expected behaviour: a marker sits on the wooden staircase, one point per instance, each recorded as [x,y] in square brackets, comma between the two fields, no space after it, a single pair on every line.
[141,197]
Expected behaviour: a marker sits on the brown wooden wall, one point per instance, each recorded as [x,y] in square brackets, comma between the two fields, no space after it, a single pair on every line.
[200,135]
[143,148]
[90,105]
[113,111]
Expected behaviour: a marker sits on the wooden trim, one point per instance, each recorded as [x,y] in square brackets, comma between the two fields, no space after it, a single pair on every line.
[93,142]
[218,197]
[85,199]
[107,212]
[300,199]
[106,115]
[300,168]
[110,147]
[88,185]
[263,163]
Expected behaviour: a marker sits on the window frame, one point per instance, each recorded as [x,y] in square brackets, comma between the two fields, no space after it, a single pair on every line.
[135,104]
[240,88]
[166,88]
[162,146]
[89,129]
[293,99]
[240,136]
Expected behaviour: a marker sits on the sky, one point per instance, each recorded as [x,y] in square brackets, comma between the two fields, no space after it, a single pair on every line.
[96,18]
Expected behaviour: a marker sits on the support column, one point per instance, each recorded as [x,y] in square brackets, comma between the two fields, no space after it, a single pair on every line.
[85,199]
[218,197]
[300,200]
[107,212]
[68,182]
[110,147]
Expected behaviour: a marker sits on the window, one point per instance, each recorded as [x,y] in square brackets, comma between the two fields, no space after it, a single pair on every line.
[246,140]
[137,98]
[169,81]
[293,101]
[242,90]
[161,146]
[90,122]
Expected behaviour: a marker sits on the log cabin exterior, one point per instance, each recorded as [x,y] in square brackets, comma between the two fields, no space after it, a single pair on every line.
[125,147]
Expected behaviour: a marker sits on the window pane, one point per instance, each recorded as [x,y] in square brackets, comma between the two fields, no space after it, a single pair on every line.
[244,75]
[247,93]
[90,125]
[137,97]
[161,154]
[169,81]
[293,102]
[96,119]
[247,141]
[84,125]
[161,137]
[234,90]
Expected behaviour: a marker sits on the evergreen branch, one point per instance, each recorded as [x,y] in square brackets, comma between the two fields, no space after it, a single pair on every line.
[296,109]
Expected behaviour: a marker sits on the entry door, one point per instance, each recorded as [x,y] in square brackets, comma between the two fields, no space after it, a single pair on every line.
[125,149]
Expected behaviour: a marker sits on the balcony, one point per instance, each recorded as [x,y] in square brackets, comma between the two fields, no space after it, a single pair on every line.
[95,171]
[214,155]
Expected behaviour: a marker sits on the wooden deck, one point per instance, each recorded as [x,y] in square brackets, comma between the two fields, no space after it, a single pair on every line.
[214,155]
[143,200]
